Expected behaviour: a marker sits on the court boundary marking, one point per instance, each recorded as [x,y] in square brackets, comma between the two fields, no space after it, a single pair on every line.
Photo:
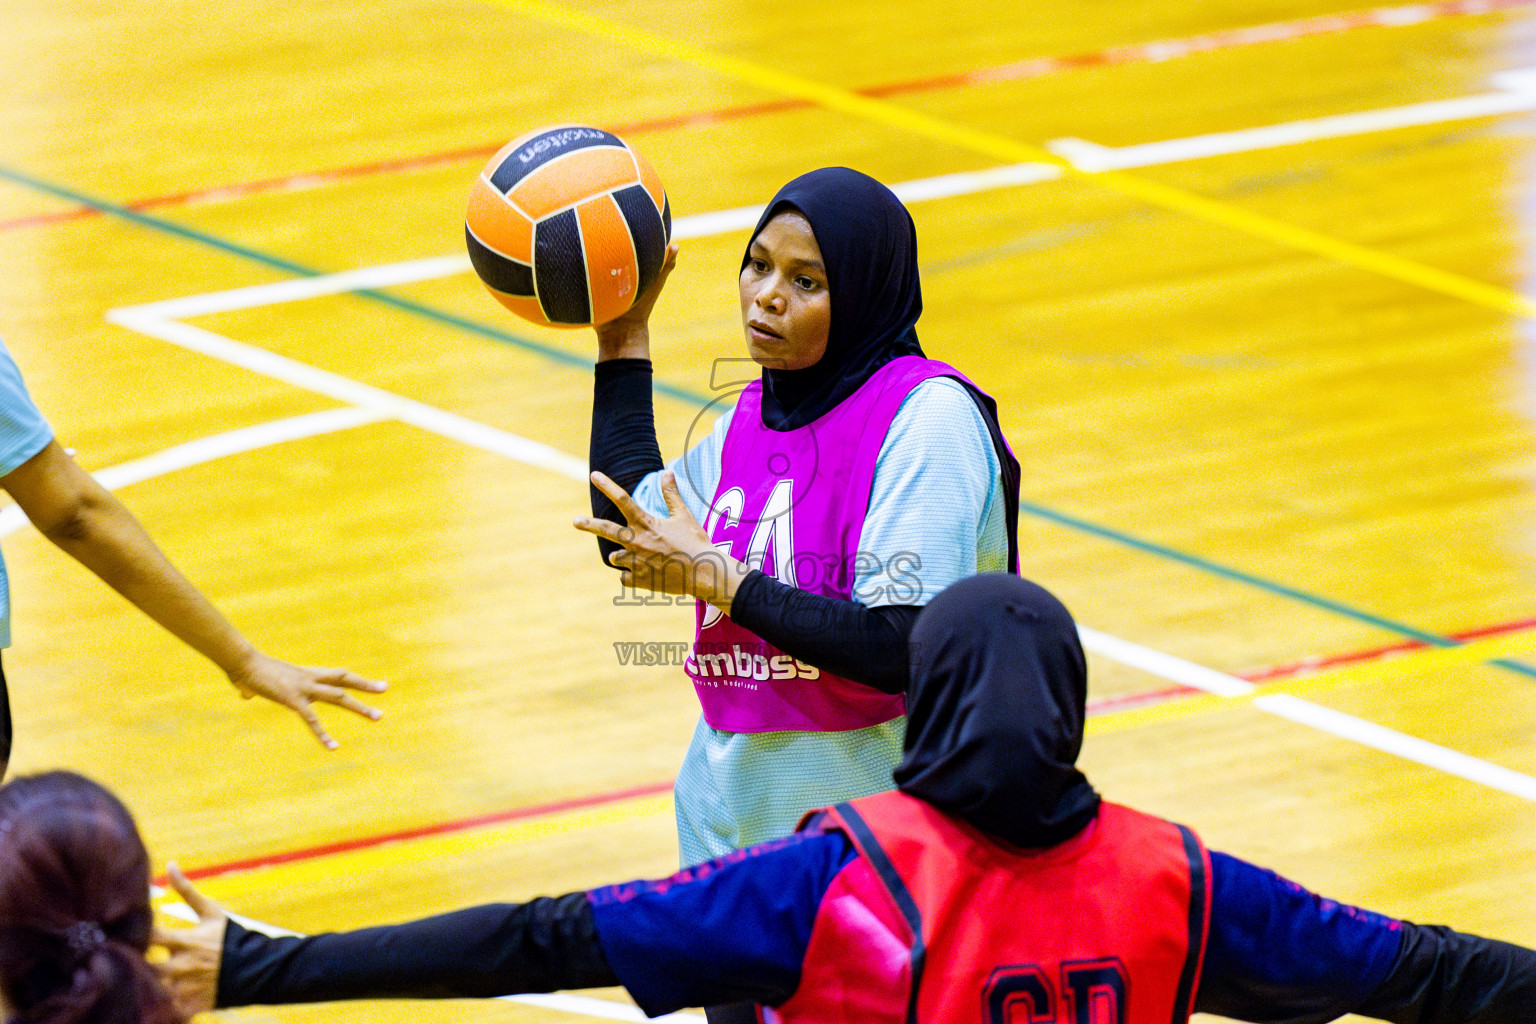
[1318,663]
[479,821]
[1220,689]
[623,803]
[214,446]
[1308,666]
[153,321]
[1155,51]
[1219,685]
[383,404]
[1514,92]
[1091,159]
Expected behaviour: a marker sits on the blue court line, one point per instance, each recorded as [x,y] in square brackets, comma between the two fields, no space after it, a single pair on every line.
[683,394]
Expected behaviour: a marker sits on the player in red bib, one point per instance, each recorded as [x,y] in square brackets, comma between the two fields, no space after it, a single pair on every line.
[994,886]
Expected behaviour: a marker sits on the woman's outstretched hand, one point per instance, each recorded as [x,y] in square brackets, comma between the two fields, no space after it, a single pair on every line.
[665,554]
[296,687]
[629,336]
[191,972]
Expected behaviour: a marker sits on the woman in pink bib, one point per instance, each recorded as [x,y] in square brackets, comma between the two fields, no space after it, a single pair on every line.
[853,481]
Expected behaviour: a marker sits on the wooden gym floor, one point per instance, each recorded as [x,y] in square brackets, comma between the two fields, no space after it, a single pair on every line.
[1272,391]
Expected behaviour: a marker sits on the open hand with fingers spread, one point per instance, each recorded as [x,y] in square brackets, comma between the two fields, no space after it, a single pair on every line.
[191,972]
[666,554]
[296,687]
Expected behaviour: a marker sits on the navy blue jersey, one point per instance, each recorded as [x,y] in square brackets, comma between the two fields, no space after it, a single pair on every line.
[737,928]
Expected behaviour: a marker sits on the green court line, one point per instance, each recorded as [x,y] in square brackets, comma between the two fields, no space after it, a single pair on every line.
[300,270]
[1237,575]
[685,395]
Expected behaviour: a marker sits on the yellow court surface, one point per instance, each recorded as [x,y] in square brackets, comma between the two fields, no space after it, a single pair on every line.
[1251,283]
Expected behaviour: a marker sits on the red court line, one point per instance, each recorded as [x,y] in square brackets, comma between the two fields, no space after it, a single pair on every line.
[319,179]
[1159,50]
[1167,49]
[421,832]
[1105,705]
[38,220]
[1306,666]
[1141,698]
[1317,664]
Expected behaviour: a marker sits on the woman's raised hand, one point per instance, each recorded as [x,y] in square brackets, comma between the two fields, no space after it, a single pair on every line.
[629,336]
[665,554]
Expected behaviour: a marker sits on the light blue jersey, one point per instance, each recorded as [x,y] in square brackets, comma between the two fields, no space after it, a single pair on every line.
[936,516]
[23,433]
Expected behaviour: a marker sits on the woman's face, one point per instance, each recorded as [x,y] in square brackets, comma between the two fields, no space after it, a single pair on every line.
[786,309]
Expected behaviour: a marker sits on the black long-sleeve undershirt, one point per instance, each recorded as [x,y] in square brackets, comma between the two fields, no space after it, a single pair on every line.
[623,445]
[545,945]
[1446,975]
[866,645]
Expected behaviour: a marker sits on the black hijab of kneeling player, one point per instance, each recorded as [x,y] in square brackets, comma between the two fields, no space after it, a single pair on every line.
[995,712]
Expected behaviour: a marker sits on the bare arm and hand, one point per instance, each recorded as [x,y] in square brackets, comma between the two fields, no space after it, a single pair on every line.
[85,520]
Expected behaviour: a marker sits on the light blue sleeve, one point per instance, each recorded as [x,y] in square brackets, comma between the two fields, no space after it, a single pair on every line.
[936,509]
[23,431]
[697,471]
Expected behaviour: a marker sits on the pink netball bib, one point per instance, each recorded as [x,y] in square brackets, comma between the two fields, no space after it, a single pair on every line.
[792,504]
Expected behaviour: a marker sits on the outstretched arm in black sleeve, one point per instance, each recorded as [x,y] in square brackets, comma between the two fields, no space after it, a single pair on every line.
[1280,954]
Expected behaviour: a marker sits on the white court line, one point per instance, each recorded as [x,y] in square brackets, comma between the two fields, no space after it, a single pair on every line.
[1516,93]
[1168,667]
[206,449]
[386,404]
[234,442]
[599,1008]
[944,186]
[1164,666]
[160,320]
[1304,712]
[306,288]
[1409,748]
[948,186]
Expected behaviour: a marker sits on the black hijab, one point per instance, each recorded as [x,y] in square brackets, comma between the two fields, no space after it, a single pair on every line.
[995,712]
[869,246]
